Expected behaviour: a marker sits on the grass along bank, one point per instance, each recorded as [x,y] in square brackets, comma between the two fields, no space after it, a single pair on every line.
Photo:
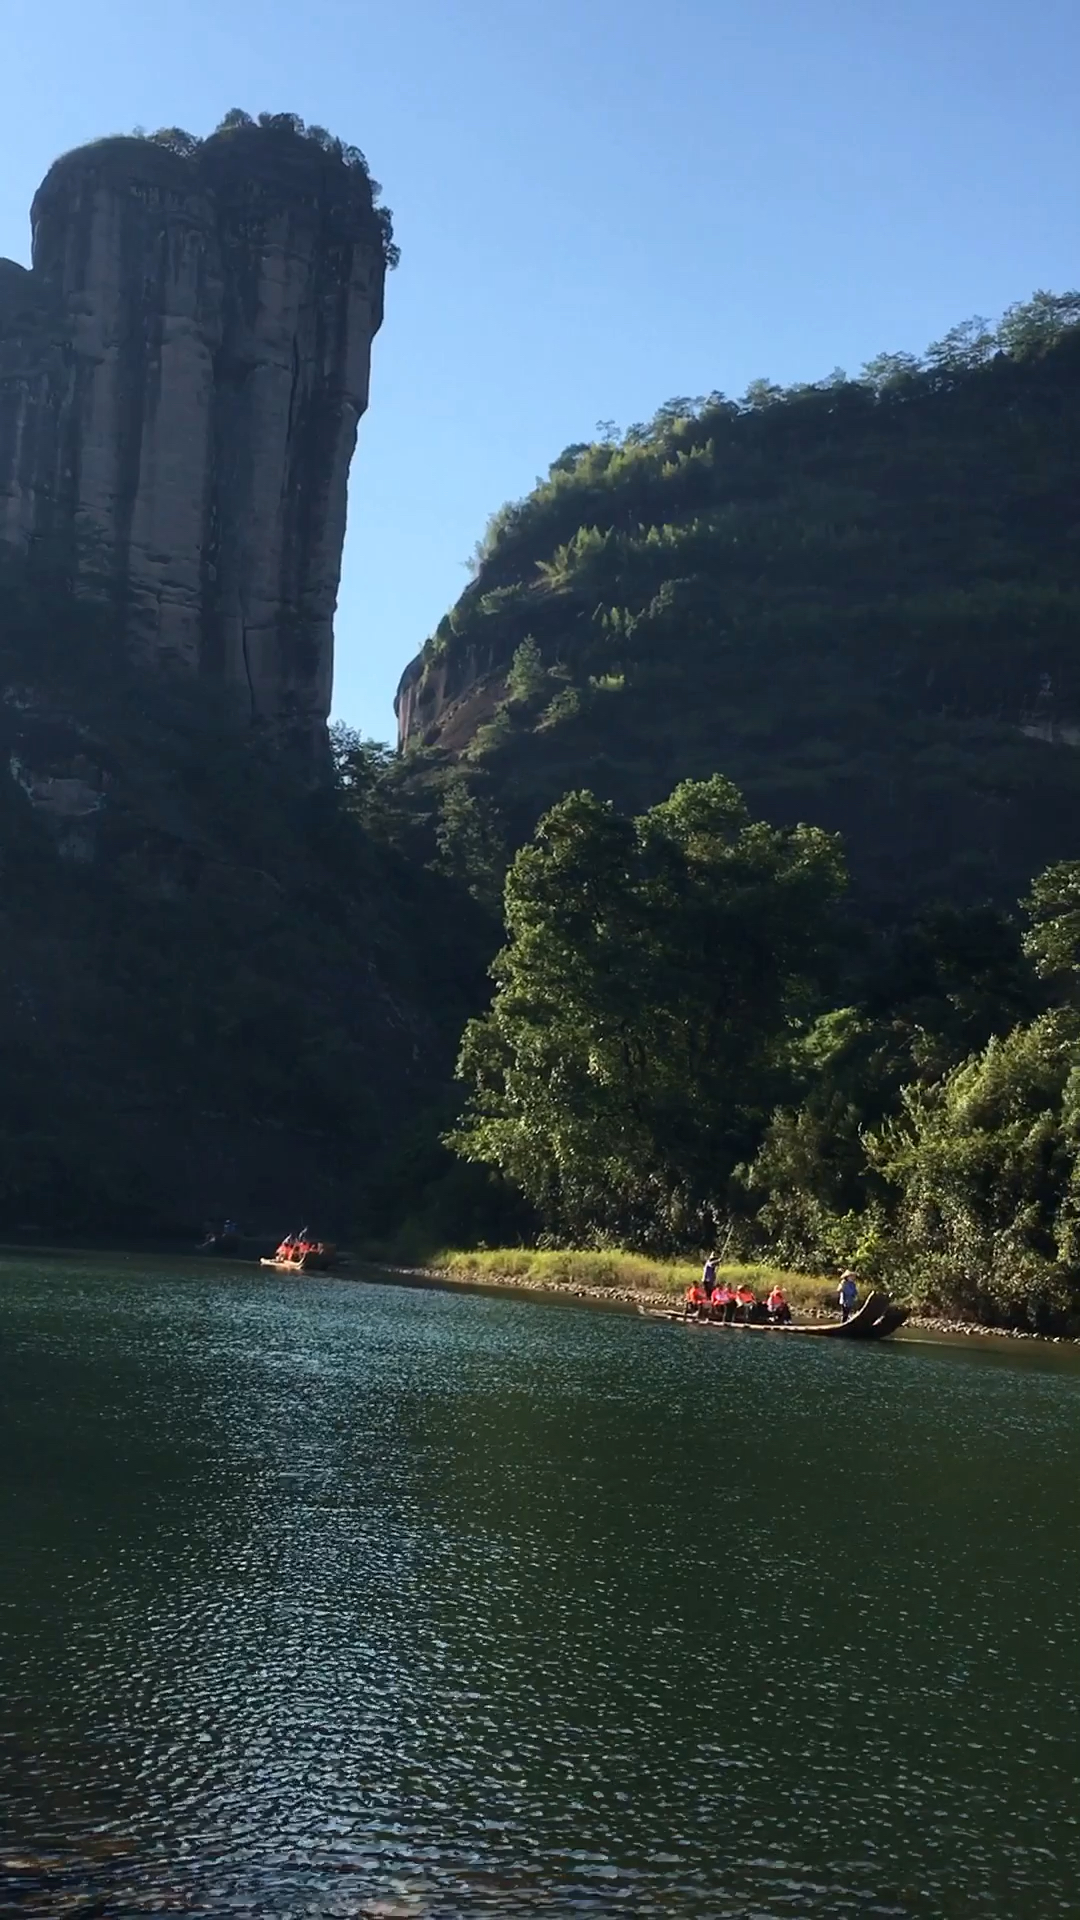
[619,1275]
[633,1279]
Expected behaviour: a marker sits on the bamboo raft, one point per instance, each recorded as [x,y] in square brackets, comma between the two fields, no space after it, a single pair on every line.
[319,1260]
[876,1319]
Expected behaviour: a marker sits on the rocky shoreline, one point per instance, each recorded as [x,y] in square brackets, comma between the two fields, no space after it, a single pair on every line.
[653,1300]
[941,1323]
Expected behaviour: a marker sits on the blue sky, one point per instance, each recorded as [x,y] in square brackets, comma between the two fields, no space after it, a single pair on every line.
[600,204]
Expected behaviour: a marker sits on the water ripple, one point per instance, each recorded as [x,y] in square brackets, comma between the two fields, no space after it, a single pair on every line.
[344,1599]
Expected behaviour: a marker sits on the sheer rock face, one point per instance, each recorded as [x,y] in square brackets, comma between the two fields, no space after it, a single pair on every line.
[443,701]
[182,373]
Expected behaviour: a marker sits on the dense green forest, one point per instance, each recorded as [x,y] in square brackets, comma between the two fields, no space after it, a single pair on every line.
[748,763]
[222,993]
[851,604]
[694,1042]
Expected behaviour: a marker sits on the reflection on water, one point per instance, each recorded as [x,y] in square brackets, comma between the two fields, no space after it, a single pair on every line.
[333,1599]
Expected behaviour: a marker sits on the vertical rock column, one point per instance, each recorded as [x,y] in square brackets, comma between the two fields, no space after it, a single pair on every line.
[303,278]
[31,379]
[181,377]
[125,247]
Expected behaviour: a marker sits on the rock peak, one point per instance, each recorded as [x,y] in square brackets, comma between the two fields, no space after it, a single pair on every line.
[182,373]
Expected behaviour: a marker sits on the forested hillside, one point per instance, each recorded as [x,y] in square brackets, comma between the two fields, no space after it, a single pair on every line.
[755,746]
[222,993]
[851,1039]
[859,599]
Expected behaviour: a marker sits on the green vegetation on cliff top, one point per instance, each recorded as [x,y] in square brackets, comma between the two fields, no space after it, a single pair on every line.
[282,136]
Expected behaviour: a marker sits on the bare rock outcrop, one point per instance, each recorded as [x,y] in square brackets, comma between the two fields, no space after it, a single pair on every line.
[182,373]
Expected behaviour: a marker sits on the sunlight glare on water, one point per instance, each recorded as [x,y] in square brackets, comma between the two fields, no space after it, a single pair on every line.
[334,1598]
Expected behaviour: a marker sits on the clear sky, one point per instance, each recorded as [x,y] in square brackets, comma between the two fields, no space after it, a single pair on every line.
[600,204]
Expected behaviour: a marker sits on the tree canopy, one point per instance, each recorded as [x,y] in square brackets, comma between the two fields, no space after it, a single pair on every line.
[288,126]
[653,970]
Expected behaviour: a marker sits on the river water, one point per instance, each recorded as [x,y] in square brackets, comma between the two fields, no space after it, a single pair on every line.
[332,1598]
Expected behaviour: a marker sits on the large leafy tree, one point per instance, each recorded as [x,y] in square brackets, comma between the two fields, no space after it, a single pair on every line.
[985,1162]
[926,996]
[654,974]
[1053,939]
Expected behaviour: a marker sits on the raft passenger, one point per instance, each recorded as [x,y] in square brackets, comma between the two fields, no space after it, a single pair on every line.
[779,1311]
[746,1298]
[696,1300]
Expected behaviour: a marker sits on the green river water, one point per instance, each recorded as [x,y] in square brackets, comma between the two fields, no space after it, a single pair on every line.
[330,1598]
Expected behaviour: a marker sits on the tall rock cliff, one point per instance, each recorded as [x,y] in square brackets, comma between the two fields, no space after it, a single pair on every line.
[182,373]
